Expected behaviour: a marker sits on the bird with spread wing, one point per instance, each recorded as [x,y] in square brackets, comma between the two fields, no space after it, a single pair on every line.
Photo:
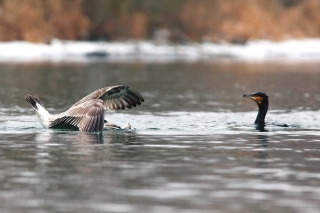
[87,114]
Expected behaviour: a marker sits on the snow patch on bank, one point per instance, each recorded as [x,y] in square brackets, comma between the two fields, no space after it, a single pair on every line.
[58,50]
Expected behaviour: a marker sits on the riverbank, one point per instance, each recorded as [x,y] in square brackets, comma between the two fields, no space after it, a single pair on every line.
[75,51]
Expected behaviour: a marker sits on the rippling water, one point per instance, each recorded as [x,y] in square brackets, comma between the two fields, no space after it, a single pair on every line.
[192,148]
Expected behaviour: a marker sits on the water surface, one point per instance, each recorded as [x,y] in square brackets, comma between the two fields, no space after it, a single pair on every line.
[192,148]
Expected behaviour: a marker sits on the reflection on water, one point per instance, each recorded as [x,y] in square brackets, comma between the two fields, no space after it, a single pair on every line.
[193,146]
[262,155]
[131,173]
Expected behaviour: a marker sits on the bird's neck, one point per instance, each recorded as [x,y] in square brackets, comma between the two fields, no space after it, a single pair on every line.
[263,108]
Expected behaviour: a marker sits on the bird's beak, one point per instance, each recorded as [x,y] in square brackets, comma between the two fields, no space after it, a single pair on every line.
[257,99]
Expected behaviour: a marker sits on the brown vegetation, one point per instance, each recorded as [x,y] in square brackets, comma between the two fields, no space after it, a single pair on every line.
[251,19]
[231,20]
[122,19]
[41,20]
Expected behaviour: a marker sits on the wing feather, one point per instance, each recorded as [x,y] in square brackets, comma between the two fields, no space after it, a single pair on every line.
[132,100]
[115,97]
[87,117]
[124,103]
[135,96]
[113,104]
[128,101]
[119,104]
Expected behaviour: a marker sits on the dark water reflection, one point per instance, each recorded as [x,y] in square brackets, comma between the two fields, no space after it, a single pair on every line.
[193,149]
[173,87]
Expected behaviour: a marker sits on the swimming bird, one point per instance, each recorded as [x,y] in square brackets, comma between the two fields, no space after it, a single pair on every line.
[262,101]
[87,114]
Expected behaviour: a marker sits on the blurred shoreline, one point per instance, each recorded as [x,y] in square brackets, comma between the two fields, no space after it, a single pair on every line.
[85,51]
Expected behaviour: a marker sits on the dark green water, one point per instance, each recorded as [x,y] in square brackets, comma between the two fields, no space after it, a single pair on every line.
[193,147]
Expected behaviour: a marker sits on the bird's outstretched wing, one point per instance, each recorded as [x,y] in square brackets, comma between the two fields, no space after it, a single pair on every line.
[87,116]
[115,97]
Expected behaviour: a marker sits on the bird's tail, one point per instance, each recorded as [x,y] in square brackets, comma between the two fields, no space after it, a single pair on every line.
[33,101]
[42,113]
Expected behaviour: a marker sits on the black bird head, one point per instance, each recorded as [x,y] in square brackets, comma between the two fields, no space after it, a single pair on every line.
[259,97]
[263,103]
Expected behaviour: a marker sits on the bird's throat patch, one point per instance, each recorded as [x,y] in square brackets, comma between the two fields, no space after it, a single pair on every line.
[257,99]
